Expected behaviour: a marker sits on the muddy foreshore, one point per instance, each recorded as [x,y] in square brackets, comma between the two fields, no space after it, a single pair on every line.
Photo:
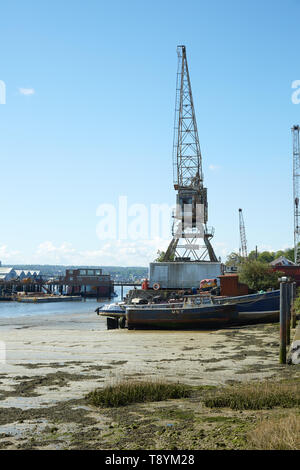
[52,363]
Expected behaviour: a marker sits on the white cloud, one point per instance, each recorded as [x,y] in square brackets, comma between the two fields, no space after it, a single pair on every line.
[26,91]
[111,252]
[264,247]
[214,167]
[221,249]
[7,255]
[48,253]
[125,253]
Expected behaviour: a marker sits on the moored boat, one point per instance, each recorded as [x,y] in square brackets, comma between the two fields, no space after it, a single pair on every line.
[254,308]
[49,298]
[114,310]
[186,315]
[195,312]
[114,313]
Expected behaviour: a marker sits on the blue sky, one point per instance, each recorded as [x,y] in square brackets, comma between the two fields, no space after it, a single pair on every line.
[90,93]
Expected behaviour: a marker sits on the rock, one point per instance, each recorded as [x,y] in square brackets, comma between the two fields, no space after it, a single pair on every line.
[295,353]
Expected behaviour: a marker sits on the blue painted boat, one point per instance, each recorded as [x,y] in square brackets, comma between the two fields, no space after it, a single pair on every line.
[211,313]
[196,312]
[180,316]
[254,308]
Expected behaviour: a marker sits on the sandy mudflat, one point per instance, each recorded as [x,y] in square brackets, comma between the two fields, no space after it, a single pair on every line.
[52,362]
[81,344]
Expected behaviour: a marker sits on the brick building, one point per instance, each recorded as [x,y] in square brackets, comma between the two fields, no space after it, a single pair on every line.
[89,282]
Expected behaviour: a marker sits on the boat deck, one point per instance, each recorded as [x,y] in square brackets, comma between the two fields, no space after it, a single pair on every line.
[49,298]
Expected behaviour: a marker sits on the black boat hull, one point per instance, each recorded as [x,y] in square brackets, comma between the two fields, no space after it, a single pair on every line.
[255,308]
[179,318]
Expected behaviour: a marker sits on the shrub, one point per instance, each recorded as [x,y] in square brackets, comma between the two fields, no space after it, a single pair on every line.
[258,276]
[256,396]
[296,304]
[276,434]
[125,393]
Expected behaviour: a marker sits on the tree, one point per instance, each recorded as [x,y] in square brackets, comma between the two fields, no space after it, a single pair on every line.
[233,259]
[279,253]
[252,255]
[266,257]
[161,255]
[289,254]
[258,276]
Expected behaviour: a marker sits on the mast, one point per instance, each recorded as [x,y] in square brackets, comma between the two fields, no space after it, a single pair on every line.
[296,191]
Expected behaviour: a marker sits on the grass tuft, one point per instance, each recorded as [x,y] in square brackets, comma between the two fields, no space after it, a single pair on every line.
[256,396]
[276,434]
[125,393]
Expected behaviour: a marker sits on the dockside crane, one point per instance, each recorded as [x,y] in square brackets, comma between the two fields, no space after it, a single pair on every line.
[191,214]
[243,240]
[296,191]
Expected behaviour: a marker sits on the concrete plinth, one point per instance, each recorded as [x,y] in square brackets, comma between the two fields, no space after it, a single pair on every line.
[182,275]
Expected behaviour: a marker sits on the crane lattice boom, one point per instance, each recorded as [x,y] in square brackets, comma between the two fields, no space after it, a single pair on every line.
[187,158]
[243,248]
[190,217]
[296,188]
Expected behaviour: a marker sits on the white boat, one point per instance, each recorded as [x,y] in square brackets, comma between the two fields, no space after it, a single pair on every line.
[111,310]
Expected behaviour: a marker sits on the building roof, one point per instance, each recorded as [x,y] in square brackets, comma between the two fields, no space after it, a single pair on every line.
[6,270]
[18,272]
[282,261]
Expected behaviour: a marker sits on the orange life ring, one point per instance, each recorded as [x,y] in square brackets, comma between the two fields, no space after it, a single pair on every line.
[156,286]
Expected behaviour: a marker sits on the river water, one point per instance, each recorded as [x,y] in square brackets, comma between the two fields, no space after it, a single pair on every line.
[19,309]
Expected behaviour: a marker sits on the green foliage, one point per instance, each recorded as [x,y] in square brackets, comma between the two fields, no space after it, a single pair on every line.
[289,254]
[296,304]
[252,255]
[258,276]
[234,259]
[125,393]
[266,257]
[161,256]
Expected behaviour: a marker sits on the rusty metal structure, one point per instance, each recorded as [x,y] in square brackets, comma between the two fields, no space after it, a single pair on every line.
[191,214]
[87,282]
[243,240]
[296,191]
